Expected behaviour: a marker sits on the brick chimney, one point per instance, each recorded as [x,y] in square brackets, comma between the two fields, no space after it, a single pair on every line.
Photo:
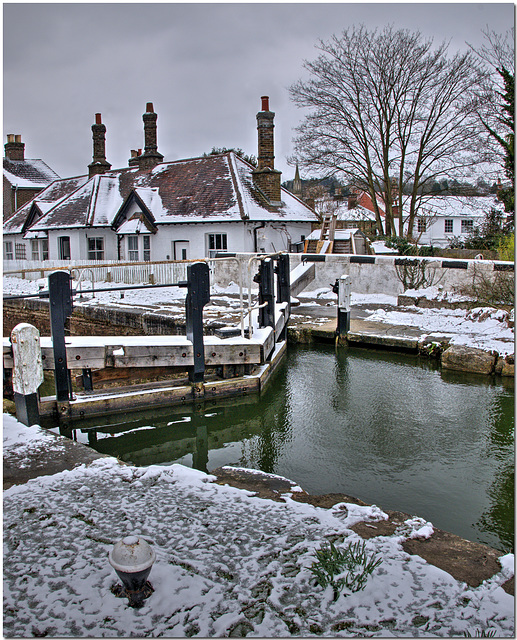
[99,164]
[134,161]
[266,177]
[150,157]
[14,148]
[352,200]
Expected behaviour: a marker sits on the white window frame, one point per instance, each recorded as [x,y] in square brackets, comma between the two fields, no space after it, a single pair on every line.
[215,239]
[448,222]
[421,225]
[146,248]
[132,248]
[62,241]
[96,248]
[467,226]
[8,250]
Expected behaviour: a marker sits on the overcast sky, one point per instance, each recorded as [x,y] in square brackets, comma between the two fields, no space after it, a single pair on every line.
[204,66]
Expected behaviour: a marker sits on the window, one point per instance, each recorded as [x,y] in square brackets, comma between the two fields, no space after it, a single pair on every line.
[132,248]
[39,249]
[19,251]
[44,249]
[8,251]
[64,247]
[449,226]
[467,226]
[421,225]
[95,248]
[147,248]
[217,241]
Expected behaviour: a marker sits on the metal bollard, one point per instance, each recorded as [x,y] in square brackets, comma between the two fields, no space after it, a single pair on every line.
[344,289]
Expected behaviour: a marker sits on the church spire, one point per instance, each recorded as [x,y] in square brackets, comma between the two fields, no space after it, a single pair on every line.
[297,183]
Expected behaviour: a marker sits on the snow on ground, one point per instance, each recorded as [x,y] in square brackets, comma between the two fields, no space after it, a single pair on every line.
[484,328]
[228,564]
[488,330]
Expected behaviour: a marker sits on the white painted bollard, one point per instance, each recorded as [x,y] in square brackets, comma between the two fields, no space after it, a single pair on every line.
[27,372]
[343,303]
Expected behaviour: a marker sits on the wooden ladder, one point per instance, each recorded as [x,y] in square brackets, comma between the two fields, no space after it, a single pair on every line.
[328,229]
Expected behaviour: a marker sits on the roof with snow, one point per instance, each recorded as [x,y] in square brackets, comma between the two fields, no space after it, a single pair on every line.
[460,206]
[216,188]
[28,173]
[339,234]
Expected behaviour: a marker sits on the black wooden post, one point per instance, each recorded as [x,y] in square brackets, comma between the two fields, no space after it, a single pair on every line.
[283,288]
[265,279]
[283,278]
[87,380]
[198,294]
[60,300]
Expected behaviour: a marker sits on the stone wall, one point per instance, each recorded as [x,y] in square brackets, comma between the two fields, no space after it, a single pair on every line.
[92,321]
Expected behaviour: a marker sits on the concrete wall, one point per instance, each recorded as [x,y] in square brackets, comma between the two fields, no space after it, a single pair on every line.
[369,274]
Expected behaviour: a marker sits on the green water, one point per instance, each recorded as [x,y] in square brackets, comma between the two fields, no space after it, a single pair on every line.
[392,430]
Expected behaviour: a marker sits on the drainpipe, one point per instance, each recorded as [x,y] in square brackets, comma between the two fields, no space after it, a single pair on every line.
[255,238]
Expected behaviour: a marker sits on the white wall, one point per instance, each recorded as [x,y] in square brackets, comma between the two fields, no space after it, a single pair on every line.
[435,232]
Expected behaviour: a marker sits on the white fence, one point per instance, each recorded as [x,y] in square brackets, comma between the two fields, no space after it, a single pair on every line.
[112,271]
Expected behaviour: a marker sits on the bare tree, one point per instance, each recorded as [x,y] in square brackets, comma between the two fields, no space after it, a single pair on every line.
[391,112]
[497,108]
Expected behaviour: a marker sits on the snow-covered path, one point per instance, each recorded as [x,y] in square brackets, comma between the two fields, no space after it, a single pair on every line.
[228,564]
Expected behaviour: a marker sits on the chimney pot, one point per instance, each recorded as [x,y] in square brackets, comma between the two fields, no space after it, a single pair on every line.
[134,153]
[98,118]
[149,107]
[14,148]
[265,103]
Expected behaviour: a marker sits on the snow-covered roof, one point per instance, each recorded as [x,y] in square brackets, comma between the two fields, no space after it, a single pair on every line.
[339,234]
[461,206]
[356,214]
[134,225]
[379,247]
[28,173]
[45,201]
[216,188]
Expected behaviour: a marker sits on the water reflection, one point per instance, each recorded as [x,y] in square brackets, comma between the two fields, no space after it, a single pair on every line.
[392,430]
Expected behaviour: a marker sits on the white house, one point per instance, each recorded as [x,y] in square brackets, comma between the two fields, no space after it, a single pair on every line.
[444,218]
[155,210]
[440,219]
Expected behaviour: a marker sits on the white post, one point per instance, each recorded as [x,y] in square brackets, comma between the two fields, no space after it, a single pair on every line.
[27,372]
[343,302]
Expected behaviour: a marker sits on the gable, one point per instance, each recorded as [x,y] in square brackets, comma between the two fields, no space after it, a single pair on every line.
[134,214]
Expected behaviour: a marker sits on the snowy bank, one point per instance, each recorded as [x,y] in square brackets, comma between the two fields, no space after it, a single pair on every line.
[228,563]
